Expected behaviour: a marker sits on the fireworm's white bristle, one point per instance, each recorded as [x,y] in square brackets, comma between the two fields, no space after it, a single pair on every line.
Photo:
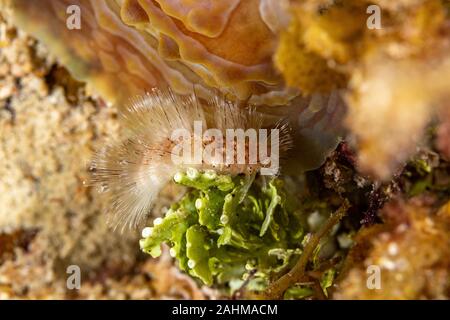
[131,173]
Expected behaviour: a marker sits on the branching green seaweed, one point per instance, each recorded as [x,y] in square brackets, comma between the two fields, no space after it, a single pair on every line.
[236,230]
[225,228]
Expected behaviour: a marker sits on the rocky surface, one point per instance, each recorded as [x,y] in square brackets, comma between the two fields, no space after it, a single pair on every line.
[49,218]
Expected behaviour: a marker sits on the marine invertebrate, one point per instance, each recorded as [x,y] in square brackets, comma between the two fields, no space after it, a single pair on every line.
[233,227]
[411,249]
[129,47]
[166,136]
[233,224]
[393,102]
[87,65]
[394,79]
[301,57]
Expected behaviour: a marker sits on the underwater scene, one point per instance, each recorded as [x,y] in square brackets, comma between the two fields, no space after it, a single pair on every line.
[225,149]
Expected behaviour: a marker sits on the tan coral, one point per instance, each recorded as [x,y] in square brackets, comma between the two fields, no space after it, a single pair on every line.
[412,252]
[395,78]
[391,104]
[166,42]
[48,218]
[401,81]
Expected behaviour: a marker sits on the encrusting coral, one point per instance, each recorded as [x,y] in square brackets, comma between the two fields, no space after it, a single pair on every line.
[412,250]
[127,47]
[394,77]
[390,63]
